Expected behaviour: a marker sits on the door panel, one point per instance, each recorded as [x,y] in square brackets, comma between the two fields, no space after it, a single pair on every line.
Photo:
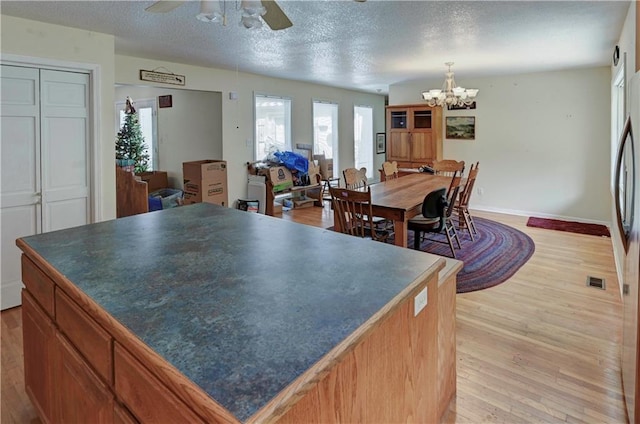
[65,135]
[421,147]
[45,164]
[20,172]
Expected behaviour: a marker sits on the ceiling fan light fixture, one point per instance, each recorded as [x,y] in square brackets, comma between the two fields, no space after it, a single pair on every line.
[250,22]
[210,11]
[252,8]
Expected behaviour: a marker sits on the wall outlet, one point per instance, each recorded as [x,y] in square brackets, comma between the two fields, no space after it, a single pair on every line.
[420,301]
[480,191]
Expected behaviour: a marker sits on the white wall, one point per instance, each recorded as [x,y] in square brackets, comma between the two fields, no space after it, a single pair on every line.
[542,140]
[237,115]
[39,40]
[189,130]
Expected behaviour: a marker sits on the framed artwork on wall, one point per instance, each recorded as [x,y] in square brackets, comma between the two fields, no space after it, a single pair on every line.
[461,127]
[381,142]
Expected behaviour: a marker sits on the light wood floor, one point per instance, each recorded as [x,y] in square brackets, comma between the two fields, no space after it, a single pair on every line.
[540,348]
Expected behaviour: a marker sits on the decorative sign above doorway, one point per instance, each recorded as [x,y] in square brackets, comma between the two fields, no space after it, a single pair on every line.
[162,77]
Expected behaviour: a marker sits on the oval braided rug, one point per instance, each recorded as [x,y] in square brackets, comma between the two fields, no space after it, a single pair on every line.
[496,254]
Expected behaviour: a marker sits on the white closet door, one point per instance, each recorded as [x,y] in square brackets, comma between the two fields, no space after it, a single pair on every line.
[20,173]
[65,149]
[45,161]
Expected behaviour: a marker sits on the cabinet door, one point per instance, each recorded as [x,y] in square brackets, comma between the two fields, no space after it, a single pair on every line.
[398,146]
[76,380]
[422,149]
[38,335]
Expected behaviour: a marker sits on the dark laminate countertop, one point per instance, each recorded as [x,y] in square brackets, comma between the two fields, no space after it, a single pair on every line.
[240,303]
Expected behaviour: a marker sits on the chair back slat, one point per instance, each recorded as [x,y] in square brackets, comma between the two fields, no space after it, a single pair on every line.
[355,178]
[448,167]
[390,170]
[465,195]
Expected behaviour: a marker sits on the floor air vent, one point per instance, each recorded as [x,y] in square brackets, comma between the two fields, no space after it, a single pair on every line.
[595,282]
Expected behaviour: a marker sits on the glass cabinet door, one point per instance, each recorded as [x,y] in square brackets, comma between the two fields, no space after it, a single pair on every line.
[421,119]
[399,119]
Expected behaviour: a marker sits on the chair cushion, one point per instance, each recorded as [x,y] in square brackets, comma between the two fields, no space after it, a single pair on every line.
[419,219]
[421,222]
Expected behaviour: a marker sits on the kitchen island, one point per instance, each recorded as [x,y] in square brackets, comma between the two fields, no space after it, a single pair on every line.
[208,314]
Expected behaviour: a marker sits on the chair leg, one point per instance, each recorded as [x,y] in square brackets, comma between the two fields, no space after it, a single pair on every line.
[416,239]
[472,224]
[455,236]
[467,224]
[448,234]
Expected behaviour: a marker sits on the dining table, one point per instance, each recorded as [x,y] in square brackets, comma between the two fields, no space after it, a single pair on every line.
[400,199]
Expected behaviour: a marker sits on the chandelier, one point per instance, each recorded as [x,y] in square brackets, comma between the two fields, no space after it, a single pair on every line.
[450,94]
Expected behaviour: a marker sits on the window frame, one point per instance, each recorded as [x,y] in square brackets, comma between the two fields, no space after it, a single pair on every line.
[288,144]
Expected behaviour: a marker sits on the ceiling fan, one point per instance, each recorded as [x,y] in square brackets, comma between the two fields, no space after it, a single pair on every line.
[272,13]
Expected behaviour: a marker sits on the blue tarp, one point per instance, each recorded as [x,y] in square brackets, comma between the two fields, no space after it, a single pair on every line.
[293,161]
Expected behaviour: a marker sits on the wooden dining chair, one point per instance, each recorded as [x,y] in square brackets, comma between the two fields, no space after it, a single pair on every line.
[355,178]
[465,220]
[390,170]
[427,223]
[448,167]
[354,213]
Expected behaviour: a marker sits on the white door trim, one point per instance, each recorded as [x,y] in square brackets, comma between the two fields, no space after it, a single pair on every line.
[94,131]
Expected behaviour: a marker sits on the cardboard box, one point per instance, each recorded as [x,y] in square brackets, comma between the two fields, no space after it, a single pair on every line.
[281,178]
[326,168]
[205,181]
[277,208]
[218,199]
[205,170]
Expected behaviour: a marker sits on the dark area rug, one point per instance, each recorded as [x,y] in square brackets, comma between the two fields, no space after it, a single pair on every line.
[496,254]
[569,226]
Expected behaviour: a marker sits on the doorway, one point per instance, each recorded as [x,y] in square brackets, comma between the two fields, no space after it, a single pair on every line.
[46,172]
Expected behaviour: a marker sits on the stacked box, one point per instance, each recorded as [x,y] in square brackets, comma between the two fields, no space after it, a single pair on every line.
[326,168]
[281,178]
[205,181]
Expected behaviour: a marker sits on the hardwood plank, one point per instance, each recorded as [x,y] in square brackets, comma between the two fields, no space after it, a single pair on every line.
[540,347]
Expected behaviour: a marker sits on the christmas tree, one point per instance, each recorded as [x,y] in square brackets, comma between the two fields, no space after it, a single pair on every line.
[131,150]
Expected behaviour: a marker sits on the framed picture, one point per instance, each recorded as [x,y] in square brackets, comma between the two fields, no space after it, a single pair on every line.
[461,127]
[165,101]
[381,142]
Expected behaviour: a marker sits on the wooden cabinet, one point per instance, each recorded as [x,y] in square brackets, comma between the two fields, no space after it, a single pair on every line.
[76,380]
[414,135]
[38,334]
[67,356]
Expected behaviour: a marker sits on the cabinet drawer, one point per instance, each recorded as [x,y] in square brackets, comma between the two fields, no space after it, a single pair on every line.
[91,340]
[145,395]
[38,284]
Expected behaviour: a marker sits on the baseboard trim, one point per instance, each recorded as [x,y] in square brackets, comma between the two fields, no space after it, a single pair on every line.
[541,215]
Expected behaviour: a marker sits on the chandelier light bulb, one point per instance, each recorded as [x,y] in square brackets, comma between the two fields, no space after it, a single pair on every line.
[253,8]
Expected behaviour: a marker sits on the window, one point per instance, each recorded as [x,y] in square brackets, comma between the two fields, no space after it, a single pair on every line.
[146,109]
[363,138]
[272,125]
[325,130]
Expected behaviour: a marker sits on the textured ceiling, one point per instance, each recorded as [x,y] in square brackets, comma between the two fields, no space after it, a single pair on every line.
[364,46]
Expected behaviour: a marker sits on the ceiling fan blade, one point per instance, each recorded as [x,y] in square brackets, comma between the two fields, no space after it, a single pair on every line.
[163,6]
[275,17]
